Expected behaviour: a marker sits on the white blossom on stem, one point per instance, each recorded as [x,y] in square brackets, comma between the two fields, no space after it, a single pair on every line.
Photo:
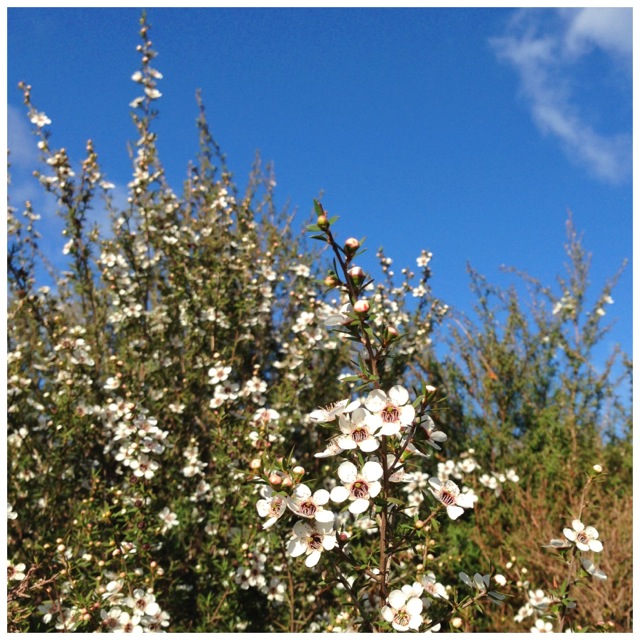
[360,488]
[312,540]
[449,494]
[390,412]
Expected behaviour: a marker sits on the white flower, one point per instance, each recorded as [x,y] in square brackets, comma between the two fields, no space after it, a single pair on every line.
[358,487]
[433,588]
[332,449]
[306,505]
[402,611]
[152,93]
[272,505]
[169,519]
[40,119]
[144,467]
[538,599]
[16,572]
[333,318]
[450,496]
[311,539]
[542,626]
[585,538]
[390,411]
[218,373]
[357,433]
[330,413]
[433,435]
[143,603]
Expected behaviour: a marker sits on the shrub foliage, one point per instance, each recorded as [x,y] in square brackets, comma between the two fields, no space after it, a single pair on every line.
[168,455]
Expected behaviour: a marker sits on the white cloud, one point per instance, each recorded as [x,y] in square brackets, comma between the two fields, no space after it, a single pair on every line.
[608,29]
[20,140]
[545,48]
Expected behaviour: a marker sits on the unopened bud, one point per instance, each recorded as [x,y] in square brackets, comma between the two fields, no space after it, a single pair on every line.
[323,222]
[351,245]
[357,275]
[456,623]
[419,524]
[331,281]
[275,479]
[361,307]
[255,463]
[430,389]
[287,481]
[391,333]
[597,468]
[298,471]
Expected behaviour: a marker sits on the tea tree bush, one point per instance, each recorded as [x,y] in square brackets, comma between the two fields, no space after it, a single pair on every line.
[217,422]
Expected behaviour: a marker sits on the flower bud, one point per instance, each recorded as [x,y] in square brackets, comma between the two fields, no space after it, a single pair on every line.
[597,468]
[351,245]
[298,471]
[331,281]
[361,307]
[287,481]
[390,333]
[357,275]
[255,463]
[323,222]
[275,479]
[456,623]
[419,524]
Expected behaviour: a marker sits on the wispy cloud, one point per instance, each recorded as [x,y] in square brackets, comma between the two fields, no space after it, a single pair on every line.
[546,47]
[20,140]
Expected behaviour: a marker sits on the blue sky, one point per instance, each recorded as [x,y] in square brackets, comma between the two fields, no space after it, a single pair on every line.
[466,132]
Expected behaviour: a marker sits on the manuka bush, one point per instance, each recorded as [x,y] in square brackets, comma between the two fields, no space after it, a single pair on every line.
[216,423]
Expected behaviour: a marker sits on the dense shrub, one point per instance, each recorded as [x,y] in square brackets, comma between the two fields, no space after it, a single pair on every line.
[169,464]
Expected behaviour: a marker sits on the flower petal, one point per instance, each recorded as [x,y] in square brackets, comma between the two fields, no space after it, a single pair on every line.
[454,512]
[347,472]
[359,505]
[372,471]
[325,516]
[376,401]
[397,598]
[398,395]
[596,545]
[312,559]
[321,496]
[339,493]
[577,525]
[369,445]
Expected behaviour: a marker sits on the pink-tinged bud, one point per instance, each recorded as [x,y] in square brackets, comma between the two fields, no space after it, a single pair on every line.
[331,281]
[351,245]
[323,222]
[287,481]
[343,536]
[357,275]
[298,471]
[255,463]
[361,307]
[419,524]
[275,479]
